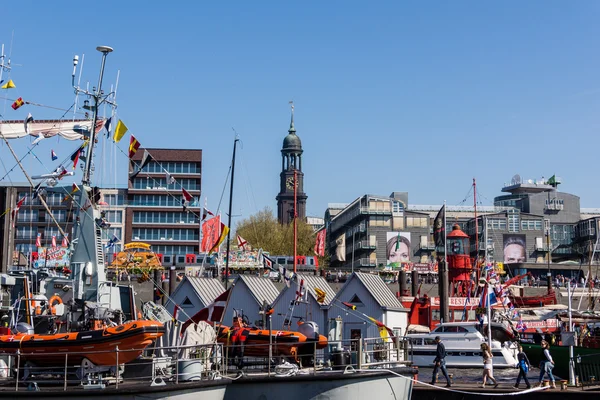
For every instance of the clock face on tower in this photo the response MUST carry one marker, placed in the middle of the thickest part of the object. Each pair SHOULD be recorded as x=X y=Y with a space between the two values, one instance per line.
x=289 y=183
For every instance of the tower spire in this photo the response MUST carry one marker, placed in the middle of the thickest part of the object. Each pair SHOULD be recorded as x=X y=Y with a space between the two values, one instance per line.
x=292 y=129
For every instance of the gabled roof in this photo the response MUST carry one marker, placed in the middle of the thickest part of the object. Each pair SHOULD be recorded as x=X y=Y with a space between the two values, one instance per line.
x=311 y=282
x=207 y=289
x=260 y=288
x=377 y=288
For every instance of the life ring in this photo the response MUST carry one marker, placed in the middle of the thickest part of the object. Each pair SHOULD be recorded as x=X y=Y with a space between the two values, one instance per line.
x=54 y=299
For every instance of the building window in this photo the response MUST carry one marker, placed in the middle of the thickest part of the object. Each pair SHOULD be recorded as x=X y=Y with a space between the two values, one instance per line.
x=513 y=220
x=114 y=199
x=165 y=234
x=397 y=207
x=114 y=216
x=25 y=215
x=160 y=217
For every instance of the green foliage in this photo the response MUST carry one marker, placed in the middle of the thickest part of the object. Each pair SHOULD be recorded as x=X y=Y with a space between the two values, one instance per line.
x=262 y=230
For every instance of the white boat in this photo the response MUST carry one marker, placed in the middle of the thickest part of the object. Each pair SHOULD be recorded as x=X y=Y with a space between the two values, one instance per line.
x=463 y=347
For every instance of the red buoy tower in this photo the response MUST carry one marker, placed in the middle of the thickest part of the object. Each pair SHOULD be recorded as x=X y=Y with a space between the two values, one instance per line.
x=460 y=263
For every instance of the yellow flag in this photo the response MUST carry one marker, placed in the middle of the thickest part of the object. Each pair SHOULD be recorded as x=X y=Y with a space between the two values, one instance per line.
x=320 y=295
x=9 y=85
x=120 y=131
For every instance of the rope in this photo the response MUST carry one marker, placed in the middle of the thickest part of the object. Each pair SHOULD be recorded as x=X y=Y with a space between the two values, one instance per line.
x=535 y=389
x=286 y=369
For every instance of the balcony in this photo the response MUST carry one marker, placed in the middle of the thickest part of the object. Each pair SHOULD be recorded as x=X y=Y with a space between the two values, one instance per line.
x=543 y=247
x=364 y=244
x=368 y=211
x=365 y=262
x=427 y=246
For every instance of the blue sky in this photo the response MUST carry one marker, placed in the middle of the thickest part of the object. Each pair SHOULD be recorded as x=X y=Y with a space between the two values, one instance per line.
x=391 y=96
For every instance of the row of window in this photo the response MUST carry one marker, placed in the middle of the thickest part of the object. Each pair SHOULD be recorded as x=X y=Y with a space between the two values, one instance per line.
x=114 y=199
x=157 y=217
x=174 y=249
x=30 y=232
x=161 y=183
x=29 y=215
x=165 y=234
x=531 y=225
x=154 y=200
x=114 y=216
x=172 y=167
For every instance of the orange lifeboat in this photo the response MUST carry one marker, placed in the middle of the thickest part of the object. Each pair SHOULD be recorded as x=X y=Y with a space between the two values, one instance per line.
x=254 y=342
x=98 y=346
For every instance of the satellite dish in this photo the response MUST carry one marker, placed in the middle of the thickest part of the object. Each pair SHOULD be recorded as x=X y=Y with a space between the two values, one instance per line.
x=516 y=179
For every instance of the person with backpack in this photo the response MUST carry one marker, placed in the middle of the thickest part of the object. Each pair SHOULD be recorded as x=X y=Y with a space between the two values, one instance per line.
x=524 y=366
x=440 y=362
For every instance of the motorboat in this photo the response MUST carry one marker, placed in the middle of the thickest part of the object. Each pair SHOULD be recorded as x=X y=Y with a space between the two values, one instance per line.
x=463 y=347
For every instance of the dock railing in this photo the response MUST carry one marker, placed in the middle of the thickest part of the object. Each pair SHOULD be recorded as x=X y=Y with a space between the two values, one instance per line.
x=587 y=369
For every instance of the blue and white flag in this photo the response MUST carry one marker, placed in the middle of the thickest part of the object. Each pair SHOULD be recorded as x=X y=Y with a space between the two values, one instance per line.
x=111 y=242
x=53 y=155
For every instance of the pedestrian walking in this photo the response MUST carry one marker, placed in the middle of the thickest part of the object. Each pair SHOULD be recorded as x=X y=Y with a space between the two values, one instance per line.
x=440 y=362
x=524 y=365
x=547 y=364
x=487 y=365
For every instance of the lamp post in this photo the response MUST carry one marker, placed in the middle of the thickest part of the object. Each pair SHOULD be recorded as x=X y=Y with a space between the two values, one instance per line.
x=548 y=274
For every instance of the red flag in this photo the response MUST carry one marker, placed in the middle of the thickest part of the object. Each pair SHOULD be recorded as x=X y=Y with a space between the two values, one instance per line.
x=18 y=103
x=213 y=313
x=320 y=243
x=16 y=210
x=205 y=211
x=134 y=145
x=75 y=157
x=186 y=199
x=38 y=240
x=241 y=242
x=53 y=241
x=211 y=232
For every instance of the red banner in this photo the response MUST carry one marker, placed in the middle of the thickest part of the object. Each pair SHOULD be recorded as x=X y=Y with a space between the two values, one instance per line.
x=211 y=231
x=320 y=243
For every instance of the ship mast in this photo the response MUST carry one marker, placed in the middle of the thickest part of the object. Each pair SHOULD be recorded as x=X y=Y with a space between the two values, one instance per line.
x=476 y=224
x=229 y=215
x=87 y=259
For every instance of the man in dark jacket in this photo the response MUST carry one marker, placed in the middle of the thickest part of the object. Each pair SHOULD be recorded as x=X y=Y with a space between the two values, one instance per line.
x=440 y=362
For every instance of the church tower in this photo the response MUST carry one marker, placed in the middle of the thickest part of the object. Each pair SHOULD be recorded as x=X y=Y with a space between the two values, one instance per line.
x=291 y=160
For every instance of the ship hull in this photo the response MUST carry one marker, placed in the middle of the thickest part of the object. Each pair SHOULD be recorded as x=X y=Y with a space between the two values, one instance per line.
x=560 y=355
x=333 y=385
x=205 y=390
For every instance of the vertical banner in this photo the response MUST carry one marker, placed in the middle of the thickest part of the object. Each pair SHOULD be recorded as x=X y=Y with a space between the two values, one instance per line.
x=398 y=248
x=515 y=249
x=320 y=243
x=211 y=231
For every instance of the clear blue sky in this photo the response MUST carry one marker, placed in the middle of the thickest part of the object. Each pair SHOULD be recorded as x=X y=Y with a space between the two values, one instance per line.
x=390 y=96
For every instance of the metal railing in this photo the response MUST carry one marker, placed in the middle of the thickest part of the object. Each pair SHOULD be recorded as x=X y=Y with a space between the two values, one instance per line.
x=30 y=368
x=587 y=369
x=175 y=364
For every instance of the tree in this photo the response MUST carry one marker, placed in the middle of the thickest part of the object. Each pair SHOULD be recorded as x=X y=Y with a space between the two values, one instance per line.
x=262 y=230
